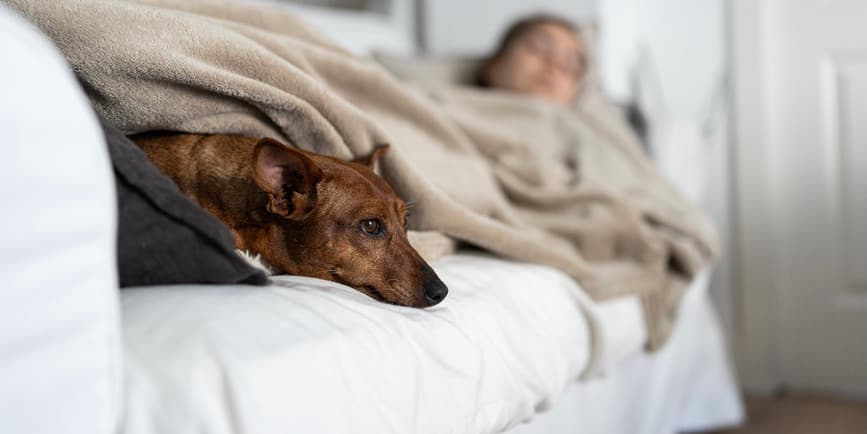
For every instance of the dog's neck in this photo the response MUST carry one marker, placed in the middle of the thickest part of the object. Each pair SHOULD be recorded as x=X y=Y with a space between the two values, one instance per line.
x=232 y=197
x=215 y=172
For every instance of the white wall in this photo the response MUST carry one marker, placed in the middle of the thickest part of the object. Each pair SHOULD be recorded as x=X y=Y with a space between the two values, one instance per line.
x=685 y=41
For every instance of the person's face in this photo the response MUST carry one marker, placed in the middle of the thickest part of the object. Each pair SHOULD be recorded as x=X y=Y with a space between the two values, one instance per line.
x=545 y=62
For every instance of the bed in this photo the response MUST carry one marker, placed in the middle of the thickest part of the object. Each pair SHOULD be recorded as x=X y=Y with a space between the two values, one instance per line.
x=516 y=347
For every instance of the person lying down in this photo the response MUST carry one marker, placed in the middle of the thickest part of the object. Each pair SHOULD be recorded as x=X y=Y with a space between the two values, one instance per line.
x=517 y=176
x=573 y=165
x=545 y=56
x=541 y=56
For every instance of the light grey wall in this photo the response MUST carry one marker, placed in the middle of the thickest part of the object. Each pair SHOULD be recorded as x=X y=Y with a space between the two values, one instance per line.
x=685 y=40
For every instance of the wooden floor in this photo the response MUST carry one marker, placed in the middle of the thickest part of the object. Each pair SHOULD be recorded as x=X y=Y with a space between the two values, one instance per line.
x=803 y=415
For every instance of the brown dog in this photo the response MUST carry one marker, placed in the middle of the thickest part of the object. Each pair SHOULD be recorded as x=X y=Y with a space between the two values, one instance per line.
x=306 y=214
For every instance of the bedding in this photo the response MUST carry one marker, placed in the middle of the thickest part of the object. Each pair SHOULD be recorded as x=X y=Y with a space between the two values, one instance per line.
x=310 y=356
x=687 y=387
x=610 y=221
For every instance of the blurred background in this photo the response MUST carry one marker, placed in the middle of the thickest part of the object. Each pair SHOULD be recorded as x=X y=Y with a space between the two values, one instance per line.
x=753 y=108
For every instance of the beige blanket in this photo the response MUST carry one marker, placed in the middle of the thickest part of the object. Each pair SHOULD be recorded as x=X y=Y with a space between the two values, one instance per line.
x=516 y=177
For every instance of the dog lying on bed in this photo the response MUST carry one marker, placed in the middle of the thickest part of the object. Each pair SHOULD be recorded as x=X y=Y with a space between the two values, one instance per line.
x=304 y=213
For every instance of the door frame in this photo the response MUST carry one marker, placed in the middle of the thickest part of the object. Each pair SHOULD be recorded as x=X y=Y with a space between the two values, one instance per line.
x=756 y=330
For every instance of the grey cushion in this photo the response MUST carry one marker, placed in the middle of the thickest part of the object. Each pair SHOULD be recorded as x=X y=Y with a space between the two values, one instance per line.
x=164 y=237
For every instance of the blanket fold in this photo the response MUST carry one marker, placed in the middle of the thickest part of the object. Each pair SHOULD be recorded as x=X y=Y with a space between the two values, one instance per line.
x=518 y=177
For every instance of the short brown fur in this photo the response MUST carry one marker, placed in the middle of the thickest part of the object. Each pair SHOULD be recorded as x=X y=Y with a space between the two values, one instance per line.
x=304 y=213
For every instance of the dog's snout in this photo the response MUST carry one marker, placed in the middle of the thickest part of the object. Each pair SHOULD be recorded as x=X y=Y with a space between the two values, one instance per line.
x=434 y=288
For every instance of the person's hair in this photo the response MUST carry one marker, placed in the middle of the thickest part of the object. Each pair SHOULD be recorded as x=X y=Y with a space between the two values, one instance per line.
x=516 y=31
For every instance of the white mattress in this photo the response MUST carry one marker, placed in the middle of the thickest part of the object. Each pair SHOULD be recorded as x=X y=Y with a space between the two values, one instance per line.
x=312 y=356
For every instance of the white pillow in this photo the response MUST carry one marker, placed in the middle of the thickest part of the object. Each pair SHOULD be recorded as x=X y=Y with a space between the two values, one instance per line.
x=59 y=331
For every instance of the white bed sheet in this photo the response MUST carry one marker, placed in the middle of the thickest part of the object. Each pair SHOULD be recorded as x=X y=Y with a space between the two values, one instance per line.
x=688 y=386
x=312 y=356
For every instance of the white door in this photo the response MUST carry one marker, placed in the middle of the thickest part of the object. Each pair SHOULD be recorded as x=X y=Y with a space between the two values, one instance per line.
x=810 y=57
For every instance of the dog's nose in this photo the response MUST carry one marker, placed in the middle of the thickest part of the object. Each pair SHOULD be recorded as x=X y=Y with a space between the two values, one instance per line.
x=434 y=288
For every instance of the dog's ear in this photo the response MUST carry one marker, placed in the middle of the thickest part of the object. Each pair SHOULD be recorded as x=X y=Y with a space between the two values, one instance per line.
x=375 y=155
x=288 y=176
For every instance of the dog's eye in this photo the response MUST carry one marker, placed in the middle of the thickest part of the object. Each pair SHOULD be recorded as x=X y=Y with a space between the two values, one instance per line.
x=371 y=227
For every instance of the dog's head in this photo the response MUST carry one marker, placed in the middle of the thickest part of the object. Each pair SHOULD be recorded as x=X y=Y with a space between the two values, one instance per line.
x=339 y=221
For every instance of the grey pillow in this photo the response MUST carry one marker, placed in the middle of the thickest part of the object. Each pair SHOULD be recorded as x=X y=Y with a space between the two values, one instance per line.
x=164 y=237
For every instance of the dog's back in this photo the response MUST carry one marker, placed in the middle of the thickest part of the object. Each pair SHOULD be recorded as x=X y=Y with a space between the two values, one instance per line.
x=205 y=168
